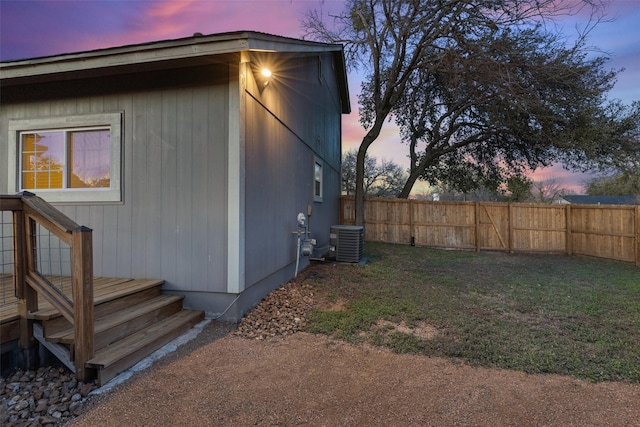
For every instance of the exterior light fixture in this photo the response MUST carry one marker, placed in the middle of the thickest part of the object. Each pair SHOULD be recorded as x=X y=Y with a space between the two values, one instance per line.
x=265 y=76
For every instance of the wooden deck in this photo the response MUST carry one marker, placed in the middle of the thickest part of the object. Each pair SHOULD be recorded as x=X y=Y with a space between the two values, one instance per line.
x=104 y=289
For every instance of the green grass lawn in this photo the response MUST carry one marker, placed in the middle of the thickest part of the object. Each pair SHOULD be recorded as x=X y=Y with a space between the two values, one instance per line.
x=536 y=313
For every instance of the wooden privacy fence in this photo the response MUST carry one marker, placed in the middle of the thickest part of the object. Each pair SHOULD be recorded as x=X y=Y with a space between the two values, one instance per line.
x=604 y=231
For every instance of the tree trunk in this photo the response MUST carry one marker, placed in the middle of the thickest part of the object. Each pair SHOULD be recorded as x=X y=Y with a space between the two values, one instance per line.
x=368 y=139
x=413 y=177
x=415 y=174
x=359 y=196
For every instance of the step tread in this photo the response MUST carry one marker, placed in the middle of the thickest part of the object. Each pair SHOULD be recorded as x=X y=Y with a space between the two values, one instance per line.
x=109 y=321
x=146 y=340
x=105 y=292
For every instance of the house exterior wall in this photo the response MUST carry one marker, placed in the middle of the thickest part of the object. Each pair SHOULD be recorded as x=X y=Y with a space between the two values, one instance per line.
x=292 y=122
x=215 y=169
x=173 y=219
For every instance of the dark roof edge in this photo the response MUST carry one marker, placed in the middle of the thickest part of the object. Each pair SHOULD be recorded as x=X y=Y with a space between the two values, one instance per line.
x=195 y=46
x=196 y=38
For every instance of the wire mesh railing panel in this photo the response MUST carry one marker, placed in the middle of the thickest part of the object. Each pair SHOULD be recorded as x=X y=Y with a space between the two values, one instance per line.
x=6 y=256
x=53 y=261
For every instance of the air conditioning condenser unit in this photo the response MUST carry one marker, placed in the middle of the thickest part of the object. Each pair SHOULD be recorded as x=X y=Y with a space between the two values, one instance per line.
x=348 y=241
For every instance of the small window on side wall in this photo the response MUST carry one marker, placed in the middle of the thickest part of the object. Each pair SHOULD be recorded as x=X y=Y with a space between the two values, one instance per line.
x=67 y=159
x=317 y=180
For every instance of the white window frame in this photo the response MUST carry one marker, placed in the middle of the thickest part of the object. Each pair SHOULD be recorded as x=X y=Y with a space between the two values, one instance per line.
x=318 y=179
x=113 y=121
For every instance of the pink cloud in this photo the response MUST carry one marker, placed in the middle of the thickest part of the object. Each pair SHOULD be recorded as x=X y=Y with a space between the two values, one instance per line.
x=171 y=9
x=181 y=19
x=31 y=28
x=574 y=181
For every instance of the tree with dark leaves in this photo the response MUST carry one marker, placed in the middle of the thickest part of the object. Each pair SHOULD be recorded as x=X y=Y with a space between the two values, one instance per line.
x=502 y=51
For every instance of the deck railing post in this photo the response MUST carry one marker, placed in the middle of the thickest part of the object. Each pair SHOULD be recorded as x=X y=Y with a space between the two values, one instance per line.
x=19 y=254
x=26 y=295
x=82 y=277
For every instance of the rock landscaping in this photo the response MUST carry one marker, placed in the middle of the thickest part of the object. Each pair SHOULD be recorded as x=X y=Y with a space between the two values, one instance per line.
x=283 y=312
x=46 y=397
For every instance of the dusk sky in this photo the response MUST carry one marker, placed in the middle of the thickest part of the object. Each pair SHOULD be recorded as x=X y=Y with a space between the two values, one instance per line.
x=31 y=29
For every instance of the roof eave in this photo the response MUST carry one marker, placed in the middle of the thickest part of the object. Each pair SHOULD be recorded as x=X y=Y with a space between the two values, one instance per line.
x=189 y=48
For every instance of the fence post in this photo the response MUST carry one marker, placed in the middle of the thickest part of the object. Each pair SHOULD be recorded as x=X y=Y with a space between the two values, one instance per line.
x=569 y=226
x=412 y=231
x=82 y=277
x=511 y=230
x=477 y=213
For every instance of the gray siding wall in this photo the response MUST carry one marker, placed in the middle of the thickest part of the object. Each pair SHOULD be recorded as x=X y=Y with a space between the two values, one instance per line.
x=295 y=118
x=172 y=224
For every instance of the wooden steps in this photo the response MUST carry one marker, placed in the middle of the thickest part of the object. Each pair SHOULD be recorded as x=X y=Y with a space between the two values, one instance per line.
x=119 y=324
x=117 y=357
x=53 y=325
x=132 y=320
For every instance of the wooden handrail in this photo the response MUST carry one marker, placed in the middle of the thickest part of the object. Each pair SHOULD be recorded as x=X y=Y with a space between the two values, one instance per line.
x=56 y=220
x=29 y=210
x=10 y=202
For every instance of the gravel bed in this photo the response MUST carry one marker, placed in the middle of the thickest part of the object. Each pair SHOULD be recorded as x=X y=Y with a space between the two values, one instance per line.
x=281 y=313
x=47 y=397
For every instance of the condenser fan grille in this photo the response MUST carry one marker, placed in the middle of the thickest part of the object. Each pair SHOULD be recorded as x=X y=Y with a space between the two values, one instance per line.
x=349 y=242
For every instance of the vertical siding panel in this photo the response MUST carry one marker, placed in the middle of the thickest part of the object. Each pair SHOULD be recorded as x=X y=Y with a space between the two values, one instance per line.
x=109 y=227
x=169 y=206
x=215 y=180
x=124 y=231
x=95 y=213
x=254 y=187
x=277 y=166
x=43 y=109
x=139 y=196
x=68 y=210
x=199 y=244
x=184 y=182
x=153 y=213
x=96 y=223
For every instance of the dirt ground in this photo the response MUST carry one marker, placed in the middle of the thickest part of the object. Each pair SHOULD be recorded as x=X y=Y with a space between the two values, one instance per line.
x=220 y=379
